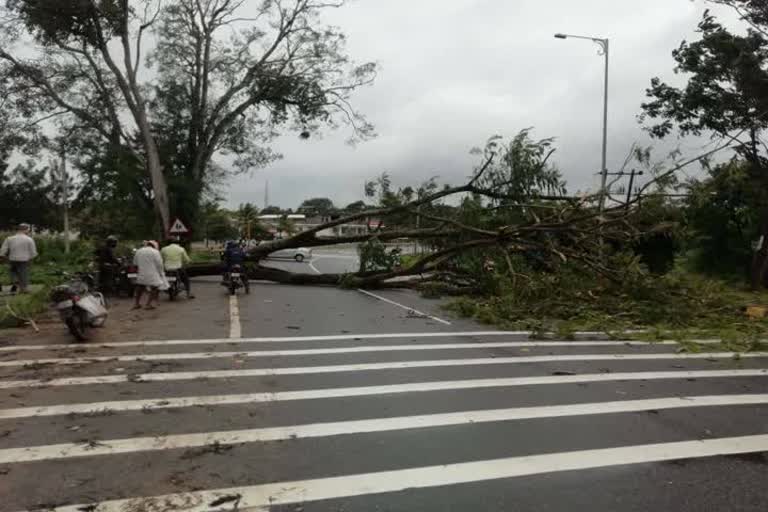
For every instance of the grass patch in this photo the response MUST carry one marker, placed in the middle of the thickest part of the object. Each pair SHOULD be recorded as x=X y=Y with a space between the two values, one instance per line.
x=205 y=256
x=16 y=310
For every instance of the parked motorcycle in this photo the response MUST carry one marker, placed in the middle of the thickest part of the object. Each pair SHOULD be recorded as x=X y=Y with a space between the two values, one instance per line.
x=79 y=306
x=236 y=279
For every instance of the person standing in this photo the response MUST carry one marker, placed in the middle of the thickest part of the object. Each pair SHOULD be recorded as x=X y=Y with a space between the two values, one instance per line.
x=151 y=274
x=175 y=258
x=108 y=265
x=20 y=250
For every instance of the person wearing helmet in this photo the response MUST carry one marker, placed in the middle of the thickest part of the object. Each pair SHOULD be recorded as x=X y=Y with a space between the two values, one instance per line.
x=108 y=264
x=233 y=255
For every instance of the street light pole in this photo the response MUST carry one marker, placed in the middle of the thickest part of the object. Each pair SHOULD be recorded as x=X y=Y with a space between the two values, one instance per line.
x=604 y=45
x=604 y=194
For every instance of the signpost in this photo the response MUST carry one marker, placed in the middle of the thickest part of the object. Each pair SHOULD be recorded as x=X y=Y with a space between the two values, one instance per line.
x=178 y=229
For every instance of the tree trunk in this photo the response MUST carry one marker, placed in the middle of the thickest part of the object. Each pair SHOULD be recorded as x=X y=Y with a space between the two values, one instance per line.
x=159 y=186
x=267 y=274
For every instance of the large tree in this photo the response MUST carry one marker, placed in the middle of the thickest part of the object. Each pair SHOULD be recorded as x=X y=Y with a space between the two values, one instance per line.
x=27 y=194
x=321 y=206
x=725 y=96
x=223 y=79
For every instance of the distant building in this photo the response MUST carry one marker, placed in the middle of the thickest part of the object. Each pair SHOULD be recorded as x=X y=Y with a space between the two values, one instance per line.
x=304 y=223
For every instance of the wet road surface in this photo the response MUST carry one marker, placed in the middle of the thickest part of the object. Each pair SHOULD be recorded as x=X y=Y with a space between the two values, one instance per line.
x=333 y=400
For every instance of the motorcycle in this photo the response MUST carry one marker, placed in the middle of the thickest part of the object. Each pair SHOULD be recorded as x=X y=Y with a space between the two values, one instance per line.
x=117 y=279
x=126 y=278
x=174 y=285
x=236 y=279
x=79 y=306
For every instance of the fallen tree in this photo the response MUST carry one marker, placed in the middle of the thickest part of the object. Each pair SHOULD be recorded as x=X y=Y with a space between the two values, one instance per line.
x=514 y=204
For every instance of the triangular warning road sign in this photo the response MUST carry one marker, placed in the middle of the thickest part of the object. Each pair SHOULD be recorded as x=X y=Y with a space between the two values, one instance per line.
x=178 y=228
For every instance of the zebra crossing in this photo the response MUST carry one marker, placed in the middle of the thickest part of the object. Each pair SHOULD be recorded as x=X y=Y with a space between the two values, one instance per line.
x=483 y=421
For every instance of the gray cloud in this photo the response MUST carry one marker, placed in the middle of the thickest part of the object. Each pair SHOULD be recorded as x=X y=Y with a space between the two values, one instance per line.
x=454 y=72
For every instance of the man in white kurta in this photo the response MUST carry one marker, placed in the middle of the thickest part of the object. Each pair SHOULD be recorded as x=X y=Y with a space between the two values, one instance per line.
x=151 y=274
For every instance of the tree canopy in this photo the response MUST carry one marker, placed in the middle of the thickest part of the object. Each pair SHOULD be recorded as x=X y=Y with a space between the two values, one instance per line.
x=725 y=95
x=223 y=79
x=27 y=195
x=321 y=206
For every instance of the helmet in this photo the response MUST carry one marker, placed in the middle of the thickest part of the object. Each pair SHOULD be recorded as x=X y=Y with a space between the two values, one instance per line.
x=112 y=241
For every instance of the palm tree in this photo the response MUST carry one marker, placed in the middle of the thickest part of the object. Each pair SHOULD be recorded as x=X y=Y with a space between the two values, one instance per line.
x=247 y=219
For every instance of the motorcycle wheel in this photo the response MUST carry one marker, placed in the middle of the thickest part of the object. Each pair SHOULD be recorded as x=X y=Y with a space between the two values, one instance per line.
x=173 y=293
x=247 y=288
x=232 y=287
x=78 y=325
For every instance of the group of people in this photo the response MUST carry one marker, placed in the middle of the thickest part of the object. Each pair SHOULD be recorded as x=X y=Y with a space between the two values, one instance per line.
x=152 y=265
x=152 y=262
x=19 y=250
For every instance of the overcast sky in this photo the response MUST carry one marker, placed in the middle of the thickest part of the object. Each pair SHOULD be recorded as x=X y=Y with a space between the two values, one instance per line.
x=454 y=72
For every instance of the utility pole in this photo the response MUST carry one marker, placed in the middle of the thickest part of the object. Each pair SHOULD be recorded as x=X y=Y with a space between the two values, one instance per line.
x=266 y=195
x=632 y=176
x=65 y=194
x=631 y=185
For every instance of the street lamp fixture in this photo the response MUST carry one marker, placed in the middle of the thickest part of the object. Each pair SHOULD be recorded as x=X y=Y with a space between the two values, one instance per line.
x=604 y=45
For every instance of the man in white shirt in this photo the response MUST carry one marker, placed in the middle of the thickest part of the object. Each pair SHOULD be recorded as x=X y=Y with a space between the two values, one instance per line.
x=151 y=275
x=19 y=250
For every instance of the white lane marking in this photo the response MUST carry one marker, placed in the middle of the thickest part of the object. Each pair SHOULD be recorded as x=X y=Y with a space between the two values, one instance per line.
x=375 y=349
x=392 y=389
x=341 y=350
x=341 y=337
x=262 y=498
x=314 y=370
x=407 y=308
x=235 y=330
x=313 y=267
x=174 y=442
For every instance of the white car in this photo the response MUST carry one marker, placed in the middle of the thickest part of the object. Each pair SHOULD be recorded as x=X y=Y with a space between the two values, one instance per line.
x=298 y=255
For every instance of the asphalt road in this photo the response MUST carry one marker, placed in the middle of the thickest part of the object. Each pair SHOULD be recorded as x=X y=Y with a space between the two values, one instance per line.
x=325 y=400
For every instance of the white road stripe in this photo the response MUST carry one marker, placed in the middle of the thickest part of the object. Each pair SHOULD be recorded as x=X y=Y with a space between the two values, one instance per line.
x=407 y=308
x=375 y=349
x=184 y=441
x=235 y=331
x=314 y=269
x=392 y=389
x=271 y=353
x=314 y=370
x=342 y=337
x=262 y=498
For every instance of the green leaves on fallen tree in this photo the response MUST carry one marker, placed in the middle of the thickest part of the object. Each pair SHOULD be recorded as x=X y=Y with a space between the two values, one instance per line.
x=522 y=171
x=678 y=304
